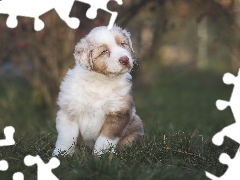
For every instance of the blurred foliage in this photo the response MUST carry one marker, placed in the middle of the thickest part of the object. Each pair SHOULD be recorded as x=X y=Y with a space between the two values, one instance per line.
x=200 y=34
x=44 y=57
x=191 y=34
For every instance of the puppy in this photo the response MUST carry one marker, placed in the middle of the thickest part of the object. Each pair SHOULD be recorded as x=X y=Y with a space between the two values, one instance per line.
x=95 y=100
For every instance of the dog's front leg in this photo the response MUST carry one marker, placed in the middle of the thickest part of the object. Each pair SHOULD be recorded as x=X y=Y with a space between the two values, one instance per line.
x=68 y=132
x=111 y=132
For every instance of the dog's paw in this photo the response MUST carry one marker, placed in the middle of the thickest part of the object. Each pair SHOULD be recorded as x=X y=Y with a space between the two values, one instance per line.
x=59 y=152
x=104 y=144
x=98 y=152
x=110 y=151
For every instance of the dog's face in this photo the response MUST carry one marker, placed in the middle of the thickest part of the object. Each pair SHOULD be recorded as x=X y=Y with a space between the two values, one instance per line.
x=105 y=51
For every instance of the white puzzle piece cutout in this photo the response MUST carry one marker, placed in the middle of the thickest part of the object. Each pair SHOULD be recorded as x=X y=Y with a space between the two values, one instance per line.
x=232 y=172
x=3 y=165
x=101 y=4
x=36 y=8
x=18 y=176
x=8 y=141
x=232 y=131
x=44 y=170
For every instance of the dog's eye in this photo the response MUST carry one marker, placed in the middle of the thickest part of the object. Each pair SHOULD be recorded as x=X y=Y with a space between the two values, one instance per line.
x=105 y=52
x=123 y=44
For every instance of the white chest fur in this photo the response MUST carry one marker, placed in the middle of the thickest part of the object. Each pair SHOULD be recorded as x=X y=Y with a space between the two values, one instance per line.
x=89 y=96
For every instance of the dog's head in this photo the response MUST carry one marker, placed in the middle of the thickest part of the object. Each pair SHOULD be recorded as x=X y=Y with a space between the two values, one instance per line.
x=105 y=51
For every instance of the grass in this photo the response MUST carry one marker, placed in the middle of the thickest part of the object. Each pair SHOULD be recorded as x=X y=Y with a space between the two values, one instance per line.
x=179 y=116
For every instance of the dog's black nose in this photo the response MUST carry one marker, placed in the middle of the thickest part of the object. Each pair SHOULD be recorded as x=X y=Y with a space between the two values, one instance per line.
x=124 y=60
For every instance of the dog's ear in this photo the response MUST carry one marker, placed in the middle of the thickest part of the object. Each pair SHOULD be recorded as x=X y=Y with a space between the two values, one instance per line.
x=82 y=54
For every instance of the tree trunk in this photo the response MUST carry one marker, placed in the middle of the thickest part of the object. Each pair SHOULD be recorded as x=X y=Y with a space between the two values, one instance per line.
x=235 y=46
x=202 y=35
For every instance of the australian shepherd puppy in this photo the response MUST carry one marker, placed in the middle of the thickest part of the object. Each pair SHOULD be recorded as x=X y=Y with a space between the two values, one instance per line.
x=95 y=100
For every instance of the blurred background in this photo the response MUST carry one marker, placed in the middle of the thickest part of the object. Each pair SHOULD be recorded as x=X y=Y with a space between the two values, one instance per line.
x=182 y=47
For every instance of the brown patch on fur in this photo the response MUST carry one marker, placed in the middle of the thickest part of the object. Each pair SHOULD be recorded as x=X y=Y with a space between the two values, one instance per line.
x=116 y=122
x=96 y=52
x=120 y=38
x=134 y=133
x=99 y=59
x=99 y=65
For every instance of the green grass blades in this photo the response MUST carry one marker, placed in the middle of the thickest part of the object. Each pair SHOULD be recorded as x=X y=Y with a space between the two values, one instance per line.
x=179 y=116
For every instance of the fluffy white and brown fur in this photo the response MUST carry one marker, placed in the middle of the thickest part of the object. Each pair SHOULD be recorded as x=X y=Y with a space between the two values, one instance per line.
x=95 y=100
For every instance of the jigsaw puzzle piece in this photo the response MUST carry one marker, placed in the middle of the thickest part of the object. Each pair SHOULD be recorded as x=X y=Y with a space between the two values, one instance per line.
x=221 y=104
x=63 y=9
x=3 y=165
x=5 y=9
x=31 y=9
x=228 y=78
x=235 y=98
x=224 y=158
x=38 y=24
x=231 y=131
x=101 y=4
x=36 y=8
x=12 y=21
x=211 y=176
x=18 y=176
x=44 y=170
x=233 y=167
x=8 y=141
x=233 y=172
